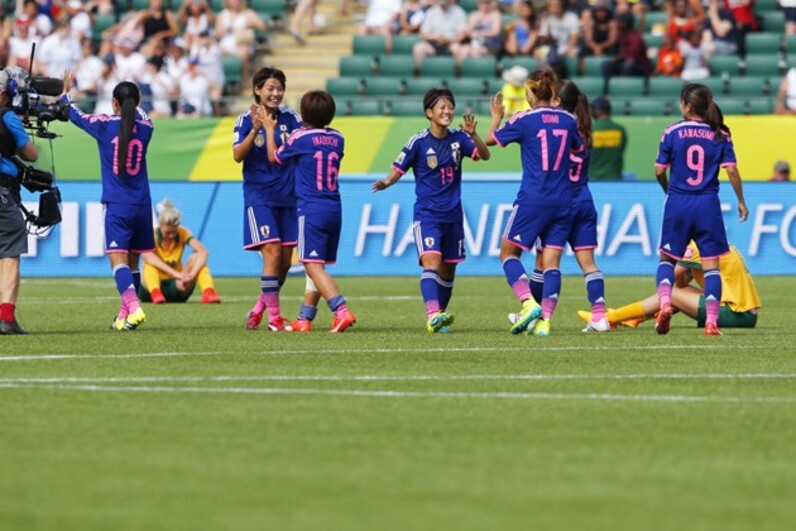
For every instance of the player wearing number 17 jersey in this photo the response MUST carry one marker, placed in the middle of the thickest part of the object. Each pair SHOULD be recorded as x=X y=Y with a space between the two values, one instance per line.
x=123 y=139
x=315 y=150
x=695 y=149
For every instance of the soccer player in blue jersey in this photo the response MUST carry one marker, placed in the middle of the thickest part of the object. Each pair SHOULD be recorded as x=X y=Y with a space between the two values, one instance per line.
x=435 y=156
x=695 y=149
x=315 y=151
x=547 y=137
x=123 y=139
x=270 y=225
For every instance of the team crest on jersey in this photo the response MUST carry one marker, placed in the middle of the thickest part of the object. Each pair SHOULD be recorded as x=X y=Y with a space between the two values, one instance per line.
x=429 y=242
x=456 y=153
x=265 y=230
x=431 y=158
x=283 y=134
x=259 y=140
x=401 y=158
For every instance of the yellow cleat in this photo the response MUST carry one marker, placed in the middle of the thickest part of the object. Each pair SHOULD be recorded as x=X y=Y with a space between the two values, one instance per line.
x=135 y=319
x=584 y=316
x=541 y=329
x=439 y=321
x=531 y=311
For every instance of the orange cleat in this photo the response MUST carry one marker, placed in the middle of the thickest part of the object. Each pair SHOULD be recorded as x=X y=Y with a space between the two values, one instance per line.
x=157 y=296
x=209 y=296
x=664 y=320
x=341 y=323
x=713 y=330
x=301 y=325
x=253 y=320
x=279 y=324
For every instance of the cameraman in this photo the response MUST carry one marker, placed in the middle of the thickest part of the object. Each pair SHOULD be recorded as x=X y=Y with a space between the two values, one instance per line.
x=13 y=233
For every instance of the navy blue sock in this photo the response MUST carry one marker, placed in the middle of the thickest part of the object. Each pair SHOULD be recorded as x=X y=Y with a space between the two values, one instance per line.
x=336 y=302
x=537 y=285
x=429 y=289
x=137 y=279
x=123 y=277
x=307 y=312
x=595 y=287
x=445 y=288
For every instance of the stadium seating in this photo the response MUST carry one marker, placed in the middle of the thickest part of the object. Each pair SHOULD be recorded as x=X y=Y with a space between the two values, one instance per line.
x=790 y=46
x=417 y=86
x=663 y=85
x=232 y=72
x=480 y=67
x=402 y=44
x=651 y=106
x=717 y=84
x=396 y=65
x=774 y=21
x=527 y=62
x=761 y=106
x=592 y=66
x=762 y=65
x=369 y=45
x=466 y=87
x=731 y=105
x=749 y=86
x=360 y=107
x=406 y=107
x=763 y=43
x=627 y=86
x=654 y=18
x=592 y=86
x=344 y=86
x=437 y=65
x=724 y=64
x=383 y=86
x=356 y=66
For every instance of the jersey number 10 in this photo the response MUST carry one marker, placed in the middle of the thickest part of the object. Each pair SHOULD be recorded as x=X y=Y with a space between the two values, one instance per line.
x=135 y=154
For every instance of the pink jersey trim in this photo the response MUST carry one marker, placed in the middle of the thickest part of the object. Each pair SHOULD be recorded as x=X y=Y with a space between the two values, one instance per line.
x=260 y=244
x=515 y=244
x=714 y=257
x=399 y=170
x=430 y=252
x=289 y=244
x=454 y=261
x=670 y=255
x=316 y=262
x=276 y=156
x=658 y=165
x=474 y=155
x=729 y=164
x=495 y=138
x=585 y=247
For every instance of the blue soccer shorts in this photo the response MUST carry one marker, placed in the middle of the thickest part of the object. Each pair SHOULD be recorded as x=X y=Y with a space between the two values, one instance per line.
x=695 y=217
x=128 y=228
x=446 y=239
x=319 y=236
x=527 y=223
x=267 y=224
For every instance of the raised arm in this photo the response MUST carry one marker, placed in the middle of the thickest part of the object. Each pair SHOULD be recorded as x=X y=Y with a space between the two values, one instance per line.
x=497 y=111
x=469 y=127
x=393 y=177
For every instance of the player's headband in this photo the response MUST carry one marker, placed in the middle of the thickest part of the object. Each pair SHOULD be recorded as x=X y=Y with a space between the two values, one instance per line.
x=435 y=100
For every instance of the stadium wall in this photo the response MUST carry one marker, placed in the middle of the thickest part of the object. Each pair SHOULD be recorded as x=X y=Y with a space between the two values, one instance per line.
x=377 y=237
x=200 y=149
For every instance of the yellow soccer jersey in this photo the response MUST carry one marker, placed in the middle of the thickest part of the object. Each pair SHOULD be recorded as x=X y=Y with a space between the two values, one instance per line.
x=514 y=99
x=738 y=290
x=172 y=255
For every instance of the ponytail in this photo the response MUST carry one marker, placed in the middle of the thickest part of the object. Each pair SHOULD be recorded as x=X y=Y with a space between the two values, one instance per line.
x=574 y=101
x=541 y=86
x=128 y=97
x=715 y=119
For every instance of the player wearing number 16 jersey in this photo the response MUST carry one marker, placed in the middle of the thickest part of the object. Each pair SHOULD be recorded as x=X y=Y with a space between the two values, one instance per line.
x=547 y=137
x=123 y=139
x=315 y=150
x=695 y=149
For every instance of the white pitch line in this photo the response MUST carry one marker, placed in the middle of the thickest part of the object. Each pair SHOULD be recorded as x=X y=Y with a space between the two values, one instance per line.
x=406 y=394
x=526 y=348
x=398 y=378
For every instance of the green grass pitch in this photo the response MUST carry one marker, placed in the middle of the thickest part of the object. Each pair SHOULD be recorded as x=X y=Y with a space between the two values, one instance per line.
x=193 y=422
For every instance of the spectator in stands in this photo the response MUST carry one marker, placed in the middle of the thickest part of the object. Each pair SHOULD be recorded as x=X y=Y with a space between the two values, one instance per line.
x=522 y=35
x=106 y=85
x=196 y=16
x=160 y=87
x=601 y=34
x=159 y=25
x=781 y=172
x=637 y=8
x=413 y=12
x=305 y=9
x=235 y=27
x=194 y=92
x=513 y=91
x=19 y=44
x=79 y=20
x=670 y=58
x=129 y=63
x=59 y=51
x=789 y=8
x=632 y=60
x=745 y=18
x=694 y=64
x=88 y=74
x=721 y=35
x=129 y=28
x=484 y=33
x=206 y=49
x=609 y=143
x=786 y=95
x=382 y=19
x=100 y=7
x=559 y=30
x=682 y=20
x=6 y=30
x=445 y=24
x=41 y=25
x=176 y=61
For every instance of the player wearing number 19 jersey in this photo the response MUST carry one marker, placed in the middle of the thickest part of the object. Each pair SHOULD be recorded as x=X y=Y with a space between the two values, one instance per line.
x=695 y=149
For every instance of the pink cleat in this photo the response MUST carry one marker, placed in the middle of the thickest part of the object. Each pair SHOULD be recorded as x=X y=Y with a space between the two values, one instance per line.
x=253 y=320
x=664 y=320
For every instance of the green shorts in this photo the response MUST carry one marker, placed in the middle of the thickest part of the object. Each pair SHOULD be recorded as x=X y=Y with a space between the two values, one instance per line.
x=170 y=291
x=727 y=317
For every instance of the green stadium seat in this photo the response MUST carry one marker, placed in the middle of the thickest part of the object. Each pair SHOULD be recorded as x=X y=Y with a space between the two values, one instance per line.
x=593 y=66
x=406 y=107
x=417 y=86
x=773 y=21
x=748 y=86
x=731 y=106
x=369 y=45
x=479 y=67
x=627 y=86
x=650 y=106
x=363 y=107
x=766 y=42
x=724 y=64
x=664 y=85
x=342 y=106
x=592 y=86
x=139 y=5
x=101 y=23
x=217 y=5
x=356 y=66
x=344 y=86
x=762 y=65
x=790 y=46
x=466 y=86
x=438 y=65
x=717 y=84
x=529 y=63
x=654 y=18
x=572 y=66
x=763 y=6
x=272 y=8
x=403 y=44
x=468 y=5
x=653 y=40
x=495 y=85
x=396 y=65
x=761 y=106
x=233 y=72
x=620 y=105
x=383 y=86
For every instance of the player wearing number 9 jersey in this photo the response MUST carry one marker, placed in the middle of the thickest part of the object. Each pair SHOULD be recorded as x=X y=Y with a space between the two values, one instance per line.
x=695 y=149
x=315 y=150
x=547 y=137
x=123 y=139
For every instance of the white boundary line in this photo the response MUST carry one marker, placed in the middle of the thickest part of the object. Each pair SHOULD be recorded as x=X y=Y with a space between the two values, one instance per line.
x=409 y=394
x=528 y=348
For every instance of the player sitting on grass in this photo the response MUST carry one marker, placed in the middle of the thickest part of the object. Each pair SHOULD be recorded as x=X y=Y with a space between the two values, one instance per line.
x=739 y=299
x=165 y=278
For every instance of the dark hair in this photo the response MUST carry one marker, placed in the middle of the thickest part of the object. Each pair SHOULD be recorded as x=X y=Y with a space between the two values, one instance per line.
x=700 y=98
x=528 y=3
x=434 y=95
x=128 y=96
x=263 y=75
x=573 y=100
x=317 y=108
x=542 y=84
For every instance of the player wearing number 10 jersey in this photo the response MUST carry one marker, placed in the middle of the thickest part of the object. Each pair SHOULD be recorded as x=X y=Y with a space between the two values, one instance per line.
x=315 y=150
x=123 y=139
x=695 y=149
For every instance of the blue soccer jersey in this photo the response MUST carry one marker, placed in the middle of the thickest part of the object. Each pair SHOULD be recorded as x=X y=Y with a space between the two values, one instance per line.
x=132 y=186
x=316 y=156
x=579 y=176
x=265 y=183
x=437 y=165
x=547 y=136
x=695 y=154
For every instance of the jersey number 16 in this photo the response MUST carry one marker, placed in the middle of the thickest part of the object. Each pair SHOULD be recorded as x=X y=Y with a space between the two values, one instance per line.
x=330 y=173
